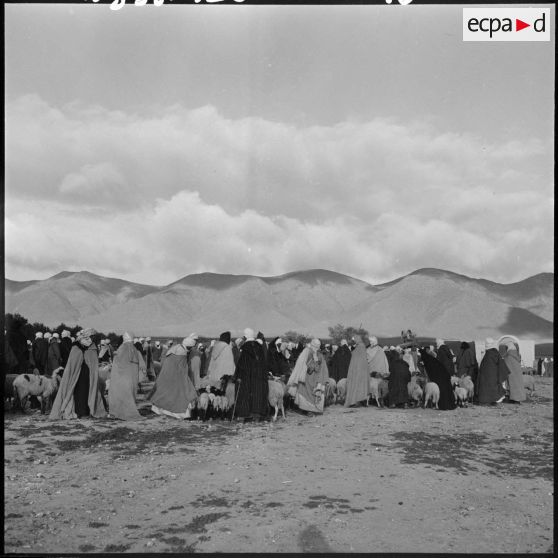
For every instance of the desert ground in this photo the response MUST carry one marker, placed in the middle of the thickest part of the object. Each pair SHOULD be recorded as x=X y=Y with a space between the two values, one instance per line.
x=478 y=479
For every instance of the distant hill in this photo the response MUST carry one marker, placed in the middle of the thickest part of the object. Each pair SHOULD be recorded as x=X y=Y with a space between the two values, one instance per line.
x=432 y=302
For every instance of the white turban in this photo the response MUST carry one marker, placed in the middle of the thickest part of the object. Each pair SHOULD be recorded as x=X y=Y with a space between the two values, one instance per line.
x=189 y=342
x=56 y=336
x=65 y=333
x=373 y=341
x=48 y=335
x=127 y=337
x=39 y=335
x=489 y=343
x=439 y=343
x=343 y=342
x=315 y=344
x=511 y=346
x=249 y=333
x=193 y=336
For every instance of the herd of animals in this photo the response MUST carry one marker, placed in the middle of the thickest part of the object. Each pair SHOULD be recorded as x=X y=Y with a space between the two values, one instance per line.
x=219 y=402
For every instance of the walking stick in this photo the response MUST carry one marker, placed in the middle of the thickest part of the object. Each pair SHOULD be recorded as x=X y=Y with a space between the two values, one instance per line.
x=235 y=399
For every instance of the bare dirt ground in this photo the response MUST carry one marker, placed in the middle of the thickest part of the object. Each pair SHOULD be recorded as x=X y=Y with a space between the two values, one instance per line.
x=365 y=480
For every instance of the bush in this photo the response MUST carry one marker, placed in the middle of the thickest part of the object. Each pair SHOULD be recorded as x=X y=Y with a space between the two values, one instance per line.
x=339 y=332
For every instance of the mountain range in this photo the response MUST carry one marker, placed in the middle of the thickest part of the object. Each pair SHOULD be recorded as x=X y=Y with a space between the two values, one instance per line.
x=431 y=302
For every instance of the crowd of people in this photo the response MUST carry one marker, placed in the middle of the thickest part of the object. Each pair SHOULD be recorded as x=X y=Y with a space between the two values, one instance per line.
x=180 y=372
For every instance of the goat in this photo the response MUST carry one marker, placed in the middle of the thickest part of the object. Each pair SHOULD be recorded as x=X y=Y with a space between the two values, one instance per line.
x=42 y=387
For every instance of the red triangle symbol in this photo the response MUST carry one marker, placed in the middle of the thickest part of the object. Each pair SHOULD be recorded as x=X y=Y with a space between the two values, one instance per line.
x=519 y=25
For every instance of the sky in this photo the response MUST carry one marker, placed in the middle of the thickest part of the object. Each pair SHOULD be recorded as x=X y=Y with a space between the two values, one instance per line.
x=151 y=143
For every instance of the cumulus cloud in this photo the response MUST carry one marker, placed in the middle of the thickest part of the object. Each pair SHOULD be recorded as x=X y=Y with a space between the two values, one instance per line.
x=153 y=196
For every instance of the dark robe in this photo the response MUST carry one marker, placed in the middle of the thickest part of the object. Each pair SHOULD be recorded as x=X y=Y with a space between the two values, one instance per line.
x=467 y=362
x=437 y=373
x=253 y=387
x=208 y=353
x=399 y=377
x=261 y=337
x=539 y=367
x=340 y=363
x=446 y=358
x=236 y=353
x=10 y=360
x=40 y=354
x=276 y=361
x=157 y=353
x=18 y=344
x=54 y=357
x=65 y=348
x=493 y=372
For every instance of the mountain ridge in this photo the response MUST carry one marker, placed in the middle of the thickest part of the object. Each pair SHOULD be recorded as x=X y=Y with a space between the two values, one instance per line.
x=429 y=300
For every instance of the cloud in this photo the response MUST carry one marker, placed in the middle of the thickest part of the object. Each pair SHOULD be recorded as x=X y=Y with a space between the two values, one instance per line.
x=155 y=195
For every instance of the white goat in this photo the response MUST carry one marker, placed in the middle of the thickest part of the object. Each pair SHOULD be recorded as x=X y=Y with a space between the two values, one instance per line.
x=42 y=387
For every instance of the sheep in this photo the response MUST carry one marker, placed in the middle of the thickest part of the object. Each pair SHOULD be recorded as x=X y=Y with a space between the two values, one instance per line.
x=341 y=390
x=43 y=387
x=467 y=383
x=203 y=405
x=415 y=393
x=383 y=390
x=373 y=390
x=529 y=384
x=221 y=405
x=461 y=396
x=277 y=390
x=330 y=393
x=431 y=392
x=454 y=381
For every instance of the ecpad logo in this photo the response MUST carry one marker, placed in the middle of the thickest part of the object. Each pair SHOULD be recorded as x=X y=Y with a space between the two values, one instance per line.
x=506 y=24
